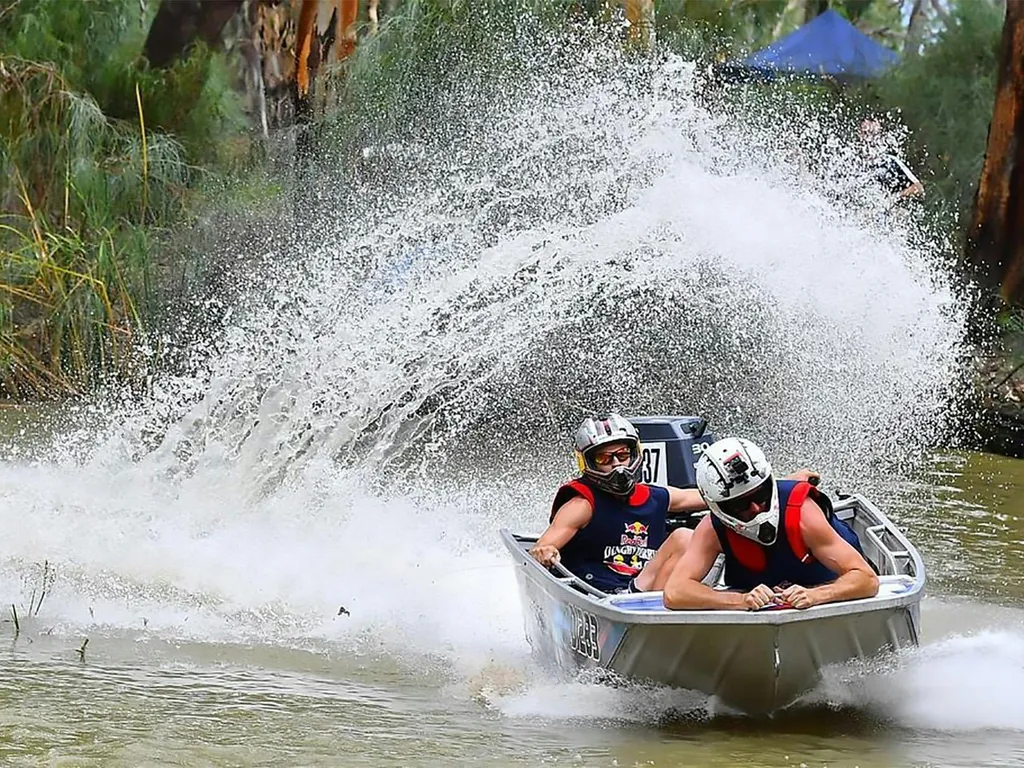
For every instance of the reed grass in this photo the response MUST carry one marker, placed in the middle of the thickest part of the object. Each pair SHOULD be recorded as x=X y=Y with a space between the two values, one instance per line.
x=68 y=307
x=49 y=576
x=98 y=156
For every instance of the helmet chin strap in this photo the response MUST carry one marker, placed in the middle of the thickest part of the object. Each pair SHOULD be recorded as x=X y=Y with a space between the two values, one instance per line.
x=767 y=533
x=764 y=532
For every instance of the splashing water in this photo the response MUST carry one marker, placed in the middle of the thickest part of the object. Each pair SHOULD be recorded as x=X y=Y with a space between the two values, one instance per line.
x=378 y=402
x=962 y=683
x=967 y=681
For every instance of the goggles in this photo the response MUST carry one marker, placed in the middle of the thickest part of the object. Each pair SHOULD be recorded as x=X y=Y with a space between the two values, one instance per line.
x=748 y=506
x=606 y=459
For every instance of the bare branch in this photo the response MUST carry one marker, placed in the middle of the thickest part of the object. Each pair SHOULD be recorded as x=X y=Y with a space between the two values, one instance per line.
x=942 y=12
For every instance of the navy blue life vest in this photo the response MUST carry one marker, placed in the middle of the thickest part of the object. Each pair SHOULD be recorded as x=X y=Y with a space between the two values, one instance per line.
x=748 y=563
x=621 y=537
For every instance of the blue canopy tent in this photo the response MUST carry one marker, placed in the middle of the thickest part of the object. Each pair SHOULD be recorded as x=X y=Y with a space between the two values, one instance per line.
x=827 y=46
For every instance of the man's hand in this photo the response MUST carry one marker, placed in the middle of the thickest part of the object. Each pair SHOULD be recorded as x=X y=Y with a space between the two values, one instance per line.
x=804 y=475
x=545 y=554
x=759 y=597
x=796 y=596
x=914 y=190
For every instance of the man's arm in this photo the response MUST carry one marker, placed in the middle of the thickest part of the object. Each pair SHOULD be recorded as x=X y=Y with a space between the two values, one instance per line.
x=856 y=578
x=914 y=186
x=684 y=588
x=914 y=190
x=570 y=518
x=685 y=500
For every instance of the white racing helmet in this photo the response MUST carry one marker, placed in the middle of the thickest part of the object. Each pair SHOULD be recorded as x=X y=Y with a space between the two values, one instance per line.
x=731 y=474
x=598 y=431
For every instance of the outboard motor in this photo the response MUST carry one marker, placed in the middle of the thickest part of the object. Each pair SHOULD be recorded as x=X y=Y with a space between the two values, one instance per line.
x=670 y=447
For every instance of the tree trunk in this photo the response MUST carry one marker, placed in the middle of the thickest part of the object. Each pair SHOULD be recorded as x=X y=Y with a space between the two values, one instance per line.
x=371 y=15
x=813 y=9
x=640 y=15
x=312 y=48
x=307 y=46
x=347 y=28
x=995 y=241
x=915 y=28
x=789 y=12
x=179 y=23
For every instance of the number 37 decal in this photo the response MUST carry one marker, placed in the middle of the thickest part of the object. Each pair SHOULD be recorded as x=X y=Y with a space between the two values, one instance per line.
x=652 y=467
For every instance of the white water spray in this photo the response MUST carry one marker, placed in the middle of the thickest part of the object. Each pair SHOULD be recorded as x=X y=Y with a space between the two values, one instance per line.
x=379 y=403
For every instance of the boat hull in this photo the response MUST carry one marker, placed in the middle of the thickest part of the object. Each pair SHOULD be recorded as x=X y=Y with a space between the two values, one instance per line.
x=755 y=662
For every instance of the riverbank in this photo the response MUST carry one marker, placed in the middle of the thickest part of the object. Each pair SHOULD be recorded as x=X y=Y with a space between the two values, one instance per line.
x=998 y=399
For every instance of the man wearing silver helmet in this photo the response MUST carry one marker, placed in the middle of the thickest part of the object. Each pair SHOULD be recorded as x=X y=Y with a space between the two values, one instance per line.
x=782 y=544
x=607 y=527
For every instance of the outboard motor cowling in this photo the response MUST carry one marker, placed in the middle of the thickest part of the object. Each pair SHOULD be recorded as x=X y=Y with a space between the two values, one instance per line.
x=670 y=448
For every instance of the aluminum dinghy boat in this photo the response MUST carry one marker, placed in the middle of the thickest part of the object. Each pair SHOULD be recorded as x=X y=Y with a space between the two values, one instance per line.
x=755 y=662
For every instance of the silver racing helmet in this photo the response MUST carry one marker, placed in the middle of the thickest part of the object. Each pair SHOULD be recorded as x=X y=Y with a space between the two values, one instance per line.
x=615 y=472
x=732 y=475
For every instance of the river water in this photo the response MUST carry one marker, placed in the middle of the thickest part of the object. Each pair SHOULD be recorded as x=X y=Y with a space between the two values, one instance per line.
x=442 y=675
x=286 y=552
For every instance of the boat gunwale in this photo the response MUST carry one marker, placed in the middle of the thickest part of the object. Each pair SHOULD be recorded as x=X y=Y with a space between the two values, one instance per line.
x=607 y=608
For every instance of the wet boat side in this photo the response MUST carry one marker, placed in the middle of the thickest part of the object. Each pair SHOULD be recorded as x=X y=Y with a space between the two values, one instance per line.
x=759 y=661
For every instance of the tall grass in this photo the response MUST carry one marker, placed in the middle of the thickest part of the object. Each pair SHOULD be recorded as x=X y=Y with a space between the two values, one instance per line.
x=97 y=154
x=68 y=308
x=74 y=265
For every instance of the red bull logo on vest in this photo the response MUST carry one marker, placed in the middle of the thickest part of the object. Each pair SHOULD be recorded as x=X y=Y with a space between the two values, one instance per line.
x=635 y=535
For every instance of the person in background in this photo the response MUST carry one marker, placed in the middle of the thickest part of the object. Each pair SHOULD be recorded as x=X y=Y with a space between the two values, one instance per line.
x=887 y=169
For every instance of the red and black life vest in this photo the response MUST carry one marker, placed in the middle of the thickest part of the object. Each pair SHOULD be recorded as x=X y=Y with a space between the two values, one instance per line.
x=787 y=560
x=621 y=537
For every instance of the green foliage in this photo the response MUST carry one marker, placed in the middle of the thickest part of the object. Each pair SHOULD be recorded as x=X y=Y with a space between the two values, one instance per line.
x=95 y=46
x=715 y=30
x=60 y=149
x=1011 y=320
x=945 y=96
x=96 y=150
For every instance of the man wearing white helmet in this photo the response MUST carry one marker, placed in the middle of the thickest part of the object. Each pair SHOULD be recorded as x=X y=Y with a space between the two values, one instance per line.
x=607 y=527
x=782 y=544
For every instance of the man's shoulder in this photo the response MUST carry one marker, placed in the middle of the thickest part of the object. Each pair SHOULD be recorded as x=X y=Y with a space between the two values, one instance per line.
x=570 y=491
x=659 y=492
x=575 y=488
x=813 y=514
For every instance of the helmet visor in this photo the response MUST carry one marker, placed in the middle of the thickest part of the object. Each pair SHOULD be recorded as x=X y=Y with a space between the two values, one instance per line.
x=606 y=458
x=748 y=506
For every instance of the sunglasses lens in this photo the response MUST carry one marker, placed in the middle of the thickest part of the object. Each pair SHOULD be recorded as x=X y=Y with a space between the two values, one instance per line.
x=622 y=456
x=745 y=508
